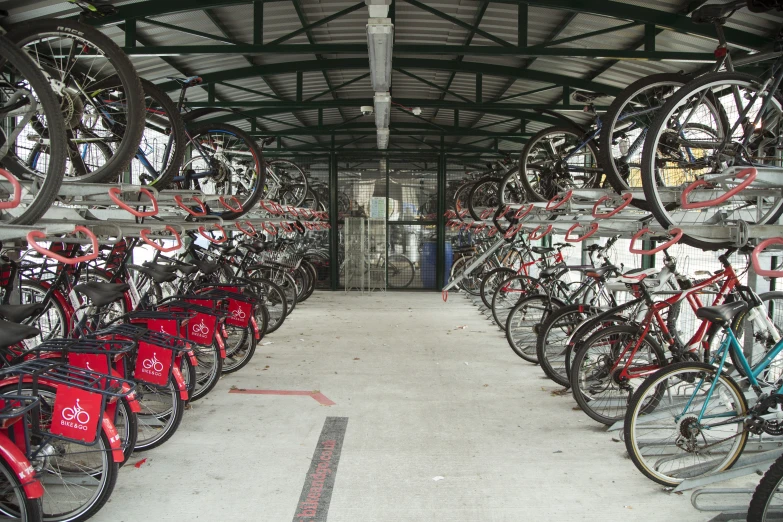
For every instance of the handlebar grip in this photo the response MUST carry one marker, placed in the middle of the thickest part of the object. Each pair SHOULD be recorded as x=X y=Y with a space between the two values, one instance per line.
x=144 y=236
x=114 y=194
x=35 y=235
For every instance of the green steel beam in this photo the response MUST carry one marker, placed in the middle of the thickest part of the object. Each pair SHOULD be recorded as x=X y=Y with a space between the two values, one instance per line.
x=192 y=32
x=487 y=69
x=319 y=23
x=456 y=21
x=338 y=87
x=435 y=49
x=582 y=36
x=408 y=102
x=614 y=9
x=429 y=83
x=526 y=93
x=251 y=91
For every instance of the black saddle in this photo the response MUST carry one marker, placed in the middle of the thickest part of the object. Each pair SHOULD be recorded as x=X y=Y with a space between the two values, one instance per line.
x=157 y=275
x=102 y=294
x=160 y=266
x=18 y=313
x=206 y=267
x=600 y=271
x=542 y=250
x=722 y=314
x=12 y=333
x=548 y=272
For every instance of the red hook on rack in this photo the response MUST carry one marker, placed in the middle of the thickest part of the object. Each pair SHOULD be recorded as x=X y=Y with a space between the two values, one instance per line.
x=558 y=201
x=202 y=231
x=749 y=174
x=627 y=198
x=676 y=234
x=36 y=235
x=114 y=194
x=757 y=252
x=272 y=231
x=592 y=229
x=180 y=204
x=234 y=199
x=251 y=229
x=177 y=245
x=17 y=197
x=534 y=237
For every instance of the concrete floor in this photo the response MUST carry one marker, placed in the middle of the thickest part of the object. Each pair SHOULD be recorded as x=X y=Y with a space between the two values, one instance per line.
x=424 y=398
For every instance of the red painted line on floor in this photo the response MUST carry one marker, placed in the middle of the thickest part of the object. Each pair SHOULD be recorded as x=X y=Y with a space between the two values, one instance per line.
x=318 y=396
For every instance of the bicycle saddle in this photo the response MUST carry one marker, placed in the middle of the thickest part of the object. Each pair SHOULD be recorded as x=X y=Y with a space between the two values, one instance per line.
x=712 y=13
x=12 y=333
x=599 y=271
x=157 y=275
x=722 y=314
x=637 y=275
x=206 y=267
x=587 y=97
x=159 y=266
x=542 y=250
x=547 y=272
x=102 y=294
x=187 y=269
x=18 y=313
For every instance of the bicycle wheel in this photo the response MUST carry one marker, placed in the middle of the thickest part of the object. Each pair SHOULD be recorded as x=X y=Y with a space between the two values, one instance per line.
x=163 y=143
x=77 y=479
x=667 y=442
x=29 y=110
x=99 y=92
x=208 y=369
x=766 y=505
x=551 y=347
x=702 y=129
x=512 y=190
x=14 y=504
x=484 y=194
x=509 y=293
x=160 y=415
x=760 y=338
x=624 y=128
x=53 y=320
x=275 y=302
x=491 y=281
x=596 y=383
x=523 y=323
x=286 y=182
x=556 y=160
x=224 y=161
x=401 y=271
x=240 y=347
x=460 y=201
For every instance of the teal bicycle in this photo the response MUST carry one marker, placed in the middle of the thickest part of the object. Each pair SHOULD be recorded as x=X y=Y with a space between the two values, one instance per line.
x=692 y=419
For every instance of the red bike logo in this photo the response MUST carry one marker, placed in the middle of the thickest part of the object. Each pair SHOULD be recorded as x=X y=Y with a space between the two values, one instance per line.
x=200 y=329
x=153 y=364
x=238 y=314
x=76 y=413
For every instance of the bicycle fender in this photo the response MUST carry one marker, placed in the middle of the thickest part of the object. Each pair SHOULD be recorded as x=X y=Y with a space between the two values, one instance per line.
x=18 y=462
x=181 y=384
x=221 y=345
x=114 y=438
x=256 y=333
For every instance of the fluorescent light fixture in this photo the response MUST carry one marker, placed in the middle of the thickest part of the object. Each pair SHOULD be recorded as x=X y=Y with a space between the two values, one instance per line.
x=383 y=139
x=382 y=110
x=380 y=34
x=378 y=8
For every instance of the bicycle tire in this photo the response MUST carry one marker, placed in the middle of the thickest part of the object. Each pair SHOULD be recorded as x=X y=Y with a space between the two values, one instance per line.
x=208 y=370
x=26 y=33
x=30 y=509
x=475 y=193
x=12 y=57
x=172 y=418
x=175 y=126
x=584 y=395
x=238 y=357
x=522 y=337
x=702 y=371
x=249 y=199
x=492 y=281
x=770 y=483
x=650 y=162
x=503 y=302
x=606 y=160
x=549 y=347
x=552 y=187
x=402 y=265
